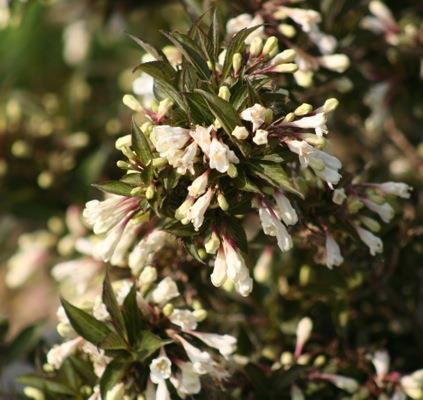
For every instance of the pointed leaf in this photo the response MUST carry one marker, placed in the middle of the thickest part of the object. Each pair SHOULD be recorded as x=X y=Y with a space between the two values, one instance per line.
x=115 y=187
x=112 y=306
x=140 y=144
x=112 y=375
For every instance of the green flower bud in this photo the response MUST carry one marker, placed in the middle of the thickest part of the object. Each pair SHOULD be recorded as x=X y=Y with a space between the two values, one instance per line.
x=154 y=105
x=200 y=315
x=269 y=353
x=303 y=359
x=314 y=140
x=168 y=309
x=354 y=205
x=268 y=190
x=232 y=171
x=132 y=103
x=303 y=109
x=137 y=191
x=202 y=253
x=270 y=46
x=48 y=367
x=319 y=360
x=224 y=93
x=159 y=162
x=317 y=164
x=289 y=117
x=256 y=46
x=286 y=56
x=223 y=203
x=164 y=106
x=127 y=152
x=123 y=141
x=150 y=192
x=330 y=105
x=236 y=62
x=212 y=244
x=123 y=164
x=287 y=359
x=305 y=274
x=33 y=393
x=268 y=116
x=370 y=223
x=373 y=196
x=287 y=30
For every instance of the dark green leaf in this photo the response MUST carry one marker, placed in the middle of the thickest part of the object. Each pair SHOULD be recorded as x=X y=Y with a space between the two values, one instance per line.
x=85 y=324
x=149 y=344
x=112 y=375
x=132 y=317
x=109 y=300
x=140 y=145
x=156 y=53
x=115 y=187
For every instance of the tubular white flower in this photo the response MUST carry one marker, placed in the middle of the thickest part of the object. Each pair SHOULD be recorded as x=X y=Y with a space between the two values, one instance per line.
x=160 y=369
x=350 y=385
x=373 y=242
x=148 y=276
x=165 y=291
x=168 y=139
x=260 y=137
x=304 y=328
x=59 y=353
x=105 y=248
x=262 y=269
x=285 y=210
x=196 y=212
x=221 y=156
x=202 y=136
x=333 y=252
x=184 y=319
x=400 y=189
x=119 y=255
x=273 y=227
x=316 y=122
x=243 y=21
x=255 y=114
x=187 y=381
x=385 y=211
x=199 y=185
x=218 y=276
x=201 y=360
x=225 y=344
x=380 y=360
x=185 y=161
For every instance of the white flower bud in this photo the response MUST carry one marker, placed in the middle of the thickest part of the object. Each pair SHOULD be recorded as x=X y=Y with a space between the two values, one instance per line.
x=33 y=393
x=212 y=244
x=339 y=196
x=224 y=93
x=335 y=62
x=304 y=329
x=303 y=109
x=287 y=30
x=199 y=185
x=397 y=188
x=240 y=132
x=285 y=68
x=223 y=203
x=286 y=56
x=164 y=106
x=260 y=137
x=330 y=105
x=132 y=103
x=123 y=141
x=148 y=276
x=236 y=62
x=165 y=291
x=270 y=46
x=256 y=46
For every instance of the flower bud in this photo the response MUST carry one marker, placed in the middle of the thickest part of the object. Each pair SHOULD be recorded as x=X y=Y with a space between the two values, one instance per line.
x=270 y=46
x=182 y=210
x=304 y=277
x=223 y=203
x=304 y=329
x=33 y=393
x=164 y=106
x=200 y=315
x=232 y=171
x=314 y=140
x=256 y=46
x=240 y=132
x=303 y=109
x=303 y=359
x=339 y=196
x=154 y=105
x=212 y=244
x=132 y=103
x=286 y=56
x=123 y=141
x=65 y=330
x=168 y=309
x=370 y=223
x=375 y=197
x=285 y=68
x=262 y=269
x=330 y=105
x=224 y=93
x=202 y=254
x=116 y=393
x=236 y=62
x=319 y=360
x=159 y=162
x=137 y=191
x=217 y=124
x=289 y=117
x=287 y=359
x=287 y=30
x=123 y=164
x=148 y=276
x=149 y=193
x=317 y=164
x=146 y=128
x=335 y=62
x=354 y=205
x=268 y=116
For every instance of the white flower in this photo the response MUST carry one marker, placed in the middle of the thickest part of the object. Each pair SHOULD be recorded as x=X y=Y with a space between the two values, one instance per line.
x=243 y=21
x=413 y=384
x=143 y=86
x=119 y=256
x=184 y=319
x=199 y=185
x=116 y=392
x=273 y=227
x=185 y=162
x=397 y=188
x=165 y=291
x=307 y=19
x=304 y=329
x=218 y=276
x=160 y=369
x=201 y=361
x=333 y=252
x=324 y=165
x=202 y=136
x=240 y=132
x=59 y=353
x=196 y=212
x=316 y=122
x=385 y=211
x=262 y=269
x=97 y=357
x=162 y=393
x=255 y=114
x=380 y=361
x=285 y=210
x=169 y=138
x=339 y=196
x=335 y=62
x=148 y=276
x=76 y=38
x=188 y=381
x=373 y=242
x=260 y=137
x=225 y=344
x=221 y=156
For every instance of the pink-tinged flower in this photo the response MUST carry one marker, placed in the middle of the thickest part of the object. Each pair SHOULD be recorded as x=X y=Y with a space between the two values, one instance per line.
x=221 y=156
x=225 y=344
x=304 y=328
x=333 y=256
x=196 y=212
x=255 y=114
x=273 y=227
